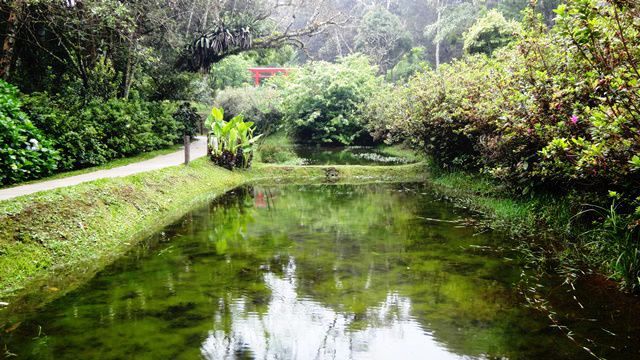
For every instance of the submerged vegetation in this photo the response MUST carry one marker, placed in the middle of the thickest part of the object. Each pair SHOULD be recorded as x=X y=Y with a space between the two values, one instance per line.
x=526 y=112
x=59 y=230
x=267 y=257
x=552 y=114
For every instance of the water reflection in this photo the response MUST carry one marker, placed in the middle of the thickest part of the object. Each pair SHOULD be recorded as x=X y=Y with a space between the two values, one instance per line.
x=352 y=155
x=295 y=327
x=311 y=272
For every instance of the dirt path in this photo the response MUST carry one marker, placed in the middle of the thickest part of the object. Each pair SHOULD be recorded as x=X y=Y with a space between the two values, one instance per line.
x=198 y=149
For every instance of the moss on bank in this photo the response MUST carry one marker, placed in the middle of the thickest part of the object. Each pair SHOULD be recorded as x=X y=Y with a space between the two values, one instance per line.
x=57 y=238
x=552 y=236
x=521 y=217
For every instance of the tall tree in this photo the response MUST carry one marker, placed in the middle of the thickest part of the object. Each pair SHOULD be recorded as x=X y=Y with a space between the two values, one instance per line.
x=8 y=46
x=268 y=25
x=453 y=17
x=69 y=40
x=382 y=37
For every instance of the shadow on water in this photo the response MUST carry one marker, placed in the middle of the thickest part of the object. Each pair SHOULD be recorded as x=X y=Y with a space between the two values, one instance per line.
x=317 y=272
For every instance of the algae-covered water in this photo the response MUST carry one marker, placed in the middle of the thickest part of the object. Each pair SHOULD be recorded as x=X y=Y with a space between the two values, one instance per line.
x=317 y=272
x=352 y=155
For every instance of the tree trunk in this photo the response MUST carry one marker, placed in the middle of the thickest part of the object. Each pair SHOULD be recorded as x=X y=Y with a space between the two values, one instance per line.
x=188 y=31
x=126 y=83
x=8 y=46
x=206 y=17
x=128 y=75
x=438 y=37
x=337 y=40
x=187 y=149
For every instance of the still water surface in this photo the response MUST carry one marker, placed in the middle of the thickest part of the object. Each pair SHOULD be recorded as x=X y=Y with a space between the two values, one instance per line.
x=311 y=272
x=353 y=155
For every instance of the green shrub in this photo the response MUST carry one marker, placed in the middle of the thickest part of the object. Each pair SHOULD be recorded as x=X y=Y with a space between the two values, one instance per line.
x=490 y=32
x=78 y=141
x=188 y=119
x=443 y=112
x=25 y=153
x=131 y=127
x=322 y=101
x=100 y=131
x=260 y=104
x=166 y=129
x=232 y=71
x=551 y=111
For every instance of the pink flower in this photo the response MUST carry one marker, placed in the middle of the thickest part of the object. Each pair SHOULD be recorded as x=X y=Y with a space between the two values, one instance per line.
x=574 y=119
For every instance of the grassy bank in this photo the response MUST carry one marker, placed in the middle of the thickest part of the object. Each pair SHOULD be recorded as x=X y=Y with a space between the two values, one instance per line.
x=560 y=234
x=278 y=148
x=55 y=239
x=523 y=217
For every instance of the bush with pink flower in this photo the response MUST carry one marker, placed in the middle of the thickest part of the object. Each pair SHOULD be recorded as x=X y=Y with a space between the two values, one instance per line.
x=557 y=109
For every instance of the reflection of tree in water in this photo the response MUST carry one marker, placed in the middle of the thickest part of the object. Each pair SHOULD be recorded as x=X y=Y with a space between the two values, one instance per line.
x=321 y=271
x=295 y=327
x=356 y=245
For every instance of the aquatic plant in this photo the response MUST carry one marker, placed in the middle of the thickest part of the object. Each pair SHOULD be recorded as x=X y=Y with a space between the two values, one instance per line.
x=230 y=143
x=616 y=243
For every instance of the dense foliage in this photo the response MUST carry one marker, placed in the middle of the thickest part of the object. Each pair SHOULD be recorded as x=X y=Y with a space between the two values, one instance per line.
x=102 y=130
x=96 y=73
x=188 y=119
x=409 y=64
x=24 y=152
x=321 y=101
x=558 y=108
x=556 y=111
x=259 y=104
x=231 y=72
x=490 y=32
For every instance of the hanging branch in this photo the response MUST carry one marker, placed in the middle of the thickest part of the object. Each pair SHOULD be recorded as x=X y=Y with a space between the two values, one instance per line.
x=211 y=47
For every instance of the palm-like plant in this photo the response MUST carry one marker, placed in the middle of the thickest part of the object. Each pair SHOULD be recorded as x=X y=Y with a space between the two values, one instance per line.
x=212 y=46
x=230 y=143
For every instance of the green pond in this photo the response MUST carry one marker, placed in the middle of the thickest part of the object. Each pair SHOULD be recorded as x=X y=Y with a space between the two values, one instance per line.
x=351 y=155
x=324 y=272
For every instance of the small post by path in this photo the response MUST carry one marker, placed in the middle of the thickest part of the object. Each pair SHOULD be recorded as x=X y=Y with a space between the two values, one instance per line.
x=187 y=150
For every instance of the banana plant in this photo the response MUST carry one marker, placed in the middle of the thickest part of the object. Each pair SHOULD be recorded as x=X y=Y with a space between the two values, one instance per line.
x=230 y=143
